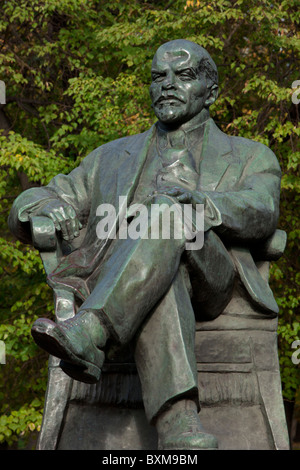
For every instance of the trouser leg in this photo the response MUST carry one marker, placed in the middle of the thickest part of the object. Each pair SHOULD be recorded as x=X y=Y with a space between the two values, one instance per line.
x=137 y=273
x=133 y=278
x=212 y=275
x=165 y=350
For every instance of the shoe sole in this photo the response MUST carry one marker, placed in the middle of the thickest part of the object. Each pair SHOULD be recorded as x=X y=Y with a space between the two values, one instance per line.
x=89 y=374
x=74 y=366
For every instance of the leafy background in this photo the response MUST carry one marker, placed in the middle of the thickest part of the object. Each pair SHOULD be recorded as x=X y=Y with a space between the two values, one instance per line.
x=77 y=75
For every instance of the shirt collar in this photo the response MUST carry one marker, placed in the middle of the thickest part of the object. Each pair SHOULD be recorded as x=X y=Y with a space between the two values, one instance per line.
x=184 y=137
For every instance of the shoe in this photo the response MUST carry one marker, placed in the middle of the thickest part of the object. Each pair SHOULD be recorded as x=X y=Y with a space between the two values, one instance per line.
x=180 y=429
x=73 y=341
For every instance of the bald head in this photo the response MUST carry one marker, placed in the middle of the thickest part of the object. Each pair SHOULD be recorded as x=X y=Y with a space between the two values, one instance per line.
x=184 y=49
x=184 y=82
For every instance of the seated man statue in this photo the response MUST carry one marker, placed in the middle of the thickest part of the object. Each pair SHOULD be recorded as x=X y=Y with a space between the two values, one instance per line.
x=146 y=291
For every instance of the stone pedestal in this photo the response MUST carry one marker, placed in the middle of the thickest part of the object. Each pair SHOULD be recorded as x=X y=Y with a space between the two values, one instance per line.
x=239 y=386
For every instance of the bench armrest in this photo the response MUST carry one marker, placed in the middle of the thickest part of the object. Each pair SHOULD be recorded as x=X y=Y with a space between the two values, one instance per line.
x=43 y=233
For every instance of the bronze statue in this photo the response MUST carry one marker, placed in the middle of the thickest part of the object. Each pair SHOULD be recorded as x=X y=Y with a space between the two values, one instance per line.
x=122 y=283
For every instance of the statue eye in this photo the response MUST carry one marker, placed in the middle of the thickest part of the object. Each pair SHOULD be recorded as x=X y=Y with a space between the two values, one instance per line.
x=186 y=75
x=157 y=77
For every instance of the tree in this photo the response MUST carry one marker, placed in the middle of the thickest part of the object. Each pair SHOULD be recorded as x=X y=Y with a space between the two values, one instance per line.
x=77 y=76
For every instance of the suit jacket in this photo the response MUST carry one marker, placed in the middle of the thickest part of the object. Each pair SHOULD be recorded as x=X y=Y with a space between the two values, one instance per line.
x=241 y=179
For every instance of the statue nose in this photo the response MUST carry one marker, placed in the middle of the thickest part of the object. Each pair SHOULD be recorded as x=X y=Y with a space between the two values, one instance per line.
x=169 y=82
x=168 y=86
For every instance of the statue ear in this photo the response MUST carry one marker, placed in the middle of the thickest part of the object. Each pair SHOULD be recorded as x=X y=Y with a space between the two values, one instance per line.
x=213 y=95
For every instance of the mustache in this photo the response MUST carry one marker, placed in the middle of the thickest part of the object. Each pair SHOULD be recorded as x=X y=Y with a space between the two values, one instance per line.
x=167 y=97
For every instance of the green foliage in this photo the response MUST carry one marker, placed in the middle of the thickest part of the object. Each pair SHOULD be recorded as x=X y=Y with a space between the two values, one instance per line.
x=77 y=74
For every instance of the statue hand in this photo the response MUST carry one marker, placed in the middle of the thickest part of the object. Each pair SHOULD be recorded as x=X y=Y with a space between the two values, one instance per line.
x=64 y=218
x=185 y=196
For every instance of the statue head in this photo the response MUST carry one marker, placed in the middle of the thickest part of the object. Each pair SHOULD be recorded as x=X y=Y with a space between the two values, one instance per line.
x=184 y=82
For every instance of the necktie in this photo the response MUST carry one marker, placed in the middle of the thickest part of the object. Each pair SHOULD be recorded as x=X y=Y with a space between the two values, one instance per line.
x=172 y=147
x=177 y=160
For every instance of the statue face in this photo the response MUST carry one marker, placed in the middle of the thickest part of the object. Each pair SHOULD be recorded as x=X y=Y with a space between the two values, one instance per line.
x=178 y=91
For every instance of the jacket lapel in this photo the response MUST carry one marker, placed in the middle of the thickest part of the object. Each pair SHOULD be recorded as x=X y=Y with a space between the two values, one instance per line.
x=213 y=165
x=130 y=168
x=132 y=162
